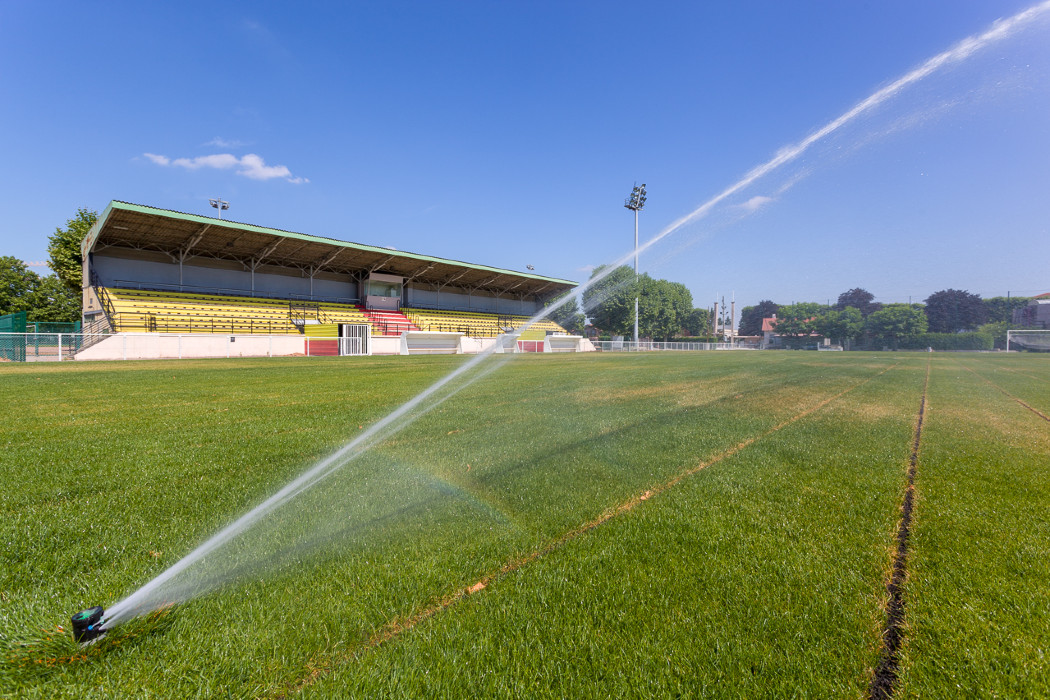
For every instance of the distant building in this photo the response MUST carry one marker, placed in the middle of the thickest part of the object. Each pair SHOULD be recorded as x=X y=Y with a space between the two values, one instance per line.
x=1036 y=314
x=770 y=339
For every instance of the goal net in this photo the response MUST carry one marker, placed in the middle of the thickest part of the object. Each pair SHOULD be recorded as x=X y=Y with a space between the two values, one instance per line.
x=1035 y=340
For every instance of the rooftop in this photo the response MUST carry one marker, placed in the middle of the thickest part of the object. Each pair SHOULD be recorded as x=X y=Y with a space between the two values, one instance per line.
x=139 y=227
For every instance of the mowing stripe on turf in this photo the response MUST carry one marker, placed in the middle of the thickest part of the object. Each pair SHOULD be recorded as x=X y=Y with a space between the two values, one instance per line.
x=1014 y=370
x=882 y=684
x=1031 y=408
x=396 y=626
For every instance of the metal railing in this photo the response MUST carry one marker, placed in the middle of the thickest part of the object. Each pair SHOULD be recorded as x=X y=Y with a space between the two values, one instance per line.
x=40 y=347
x=106 y=301
x=390 y=327
x=653 y=346
x=62 y=347
x=352 y=346
x=144 y=321
x=230 y=291
x=472 y=331
x=299 y=313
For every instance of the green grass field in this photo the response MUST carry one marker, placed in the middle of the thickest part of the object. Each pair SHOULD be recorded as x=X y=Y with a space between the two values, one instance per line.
x=646 y=525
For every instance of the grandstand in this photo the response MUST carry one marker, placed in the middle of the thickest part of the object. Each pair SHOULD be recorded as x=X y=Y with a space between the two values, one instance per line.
x=155 y=271
x=138 y=310
x=479 y=325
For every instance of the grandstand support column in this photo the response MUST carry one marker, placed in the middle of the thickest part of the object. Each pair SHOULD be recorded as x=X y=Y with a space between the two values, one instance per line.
x=256 y=260
x=184 y=251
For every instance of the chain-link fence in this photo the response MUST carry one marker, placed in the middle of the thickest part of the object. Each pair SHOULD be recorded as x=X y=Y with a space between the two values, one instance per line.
x=12 y=337
x=59 y=347
x=40 y=347
x=52 y=327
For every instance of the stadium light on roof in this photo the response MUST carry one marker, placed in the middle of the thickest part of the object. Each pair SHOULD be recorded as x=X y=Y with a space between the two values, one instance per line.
x=636 y=202
x=219 y=204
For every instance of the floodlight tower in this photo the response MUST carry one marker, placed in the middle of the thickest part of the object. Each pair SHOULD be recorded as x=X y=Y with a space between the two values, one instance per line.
x=219 y=204
x=636 y=202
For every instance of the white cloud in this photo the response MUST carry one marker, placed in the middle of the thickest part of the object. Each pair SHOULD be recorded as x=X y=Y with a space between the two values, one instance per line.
x=254 y=167
x=588 y=269
x=220 y=161
x=250 y=165
x=220 y=142
x=756 y=202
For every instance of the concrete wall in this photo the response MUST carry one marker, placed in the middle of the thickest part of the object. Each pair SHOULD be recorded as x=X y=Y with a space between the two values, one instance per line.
x=386 y=345
x=473 y=346
x=90 y=303
x=425 y=295
x=155 y=346
x=207 y=275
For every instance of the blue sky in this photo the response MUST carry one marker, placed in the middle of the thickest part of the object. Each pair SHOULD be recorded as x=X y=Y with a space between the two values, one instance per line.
x=509 y=133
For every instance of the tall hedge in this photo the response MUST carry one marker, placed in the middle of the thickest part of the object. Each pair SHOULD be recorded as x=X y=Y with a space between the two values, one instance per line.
x=948 y=341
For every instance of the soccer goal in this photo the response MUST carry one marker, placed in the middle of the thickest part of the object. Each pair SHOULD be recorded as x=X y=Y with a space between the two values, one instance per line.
x=563 y=343
x=1033 y=340
x=431 y=343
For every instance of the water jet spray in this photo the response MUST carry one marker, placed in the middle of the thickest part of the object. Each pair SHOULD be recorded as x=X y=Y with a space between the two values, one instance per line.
x=182 y=580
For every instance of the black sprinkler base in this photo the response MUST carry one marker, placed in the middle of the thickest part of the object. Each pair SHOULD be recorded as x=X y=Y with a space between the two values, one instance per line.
x=87 y=624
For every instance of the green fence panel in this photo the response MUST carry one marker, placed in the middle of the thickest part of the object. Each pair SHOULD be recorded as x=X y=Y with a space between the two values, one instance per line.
x=13 y=347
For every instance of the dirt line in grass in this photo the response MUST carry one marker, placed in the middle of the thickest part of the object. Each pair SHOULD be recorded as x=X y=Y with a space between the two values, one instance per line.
x=397 y=626
x=885 y=678
x=1006 y=393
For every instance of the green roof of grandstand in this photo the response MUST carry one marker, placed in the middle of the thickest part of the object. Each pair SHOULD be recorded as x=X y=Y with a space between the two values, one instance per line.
x=148 y=228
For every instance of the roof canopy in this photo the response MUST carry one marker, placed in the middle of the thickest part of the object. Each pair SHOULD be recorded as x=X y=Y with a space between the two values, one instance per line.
x=188 y=235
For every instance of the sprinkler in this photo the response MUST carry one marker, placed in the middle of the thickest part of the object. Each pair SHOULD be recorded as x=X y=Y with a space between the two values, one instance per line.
x=87 y=625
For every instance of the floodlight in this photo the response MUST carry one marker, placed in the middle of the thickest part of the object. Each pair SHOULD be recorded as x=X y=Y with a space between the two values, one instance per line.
x=219 y=204
x=636 y=202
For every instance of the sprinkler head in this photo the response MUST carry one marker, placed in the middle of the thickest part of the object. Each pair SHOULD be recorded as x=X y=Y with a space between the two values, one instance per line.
x=87 y=625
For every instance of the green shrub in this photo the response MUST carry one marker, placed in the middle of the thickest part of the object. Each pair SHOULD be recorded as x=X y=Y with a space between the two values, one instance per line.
x=948 y=341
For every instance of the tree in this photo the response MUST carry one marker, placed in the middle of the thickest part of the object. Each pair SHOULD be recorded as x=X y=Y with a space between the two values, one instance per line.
x=18 y=286
x=697 y=323
x=610 y=302
x=797 y=319
x=842 y=325
x=751 y=317
x=663 y=307
x=895 y=322
x=64 y=248
x=860 y=299
x=54 y=301
x=952 y=310
x=1001 y=309
x=996 y=329
x=568 y=315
